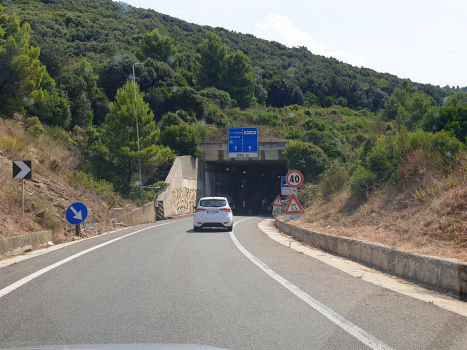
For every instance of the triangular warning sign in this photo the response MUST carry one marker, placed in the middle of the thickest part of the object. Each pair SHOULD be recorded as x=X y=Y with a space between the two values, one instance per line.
x=294 y=207
x=277 y=202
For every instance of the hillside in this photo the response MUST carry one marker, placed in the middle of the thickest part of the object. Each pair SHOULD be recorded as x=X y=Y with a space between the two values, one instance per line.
x=375 y=150
x=53 y=186
x=103 y=32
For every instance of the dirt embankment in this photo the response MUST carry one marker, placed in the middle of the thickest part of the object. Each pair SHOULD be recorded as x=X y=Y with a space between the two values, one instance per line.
x=49 y=192
x=427 y=215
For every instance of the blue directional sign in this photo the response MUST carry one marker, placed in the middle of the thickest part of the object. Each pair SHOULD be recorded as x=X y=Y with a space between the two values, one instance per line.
x=76 y=213
x=243 y=142
x=284 y=183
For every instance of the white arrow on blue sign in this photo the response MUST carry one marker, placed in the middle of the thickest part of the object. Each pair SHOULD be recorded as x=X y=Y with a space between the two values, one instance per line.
x=76 y=213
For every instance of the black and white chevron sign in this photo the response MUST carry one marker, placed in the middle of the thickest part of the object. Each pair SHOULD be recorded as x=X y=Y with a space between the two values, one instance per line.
x=22 y=169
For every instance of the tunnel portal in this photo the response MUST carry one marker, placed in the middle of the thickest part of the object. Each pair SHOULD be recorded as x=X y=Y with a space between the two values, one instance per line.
x=250 y=186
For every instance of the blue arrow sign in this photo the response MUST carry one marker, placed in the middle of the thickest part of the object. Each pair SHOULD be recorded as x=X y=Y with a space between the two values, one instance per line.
x=243 y=142
x=76 y=213
x=284 y=183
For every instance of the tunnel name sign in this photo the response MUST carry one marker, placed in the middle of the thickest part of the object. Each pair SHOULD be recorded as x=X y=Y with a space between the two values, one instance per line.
x=243 y=142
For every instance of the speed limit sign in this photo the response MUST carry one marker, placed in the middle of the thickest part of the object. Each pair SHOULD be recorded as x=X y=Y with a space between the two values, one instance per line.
x=294 y=178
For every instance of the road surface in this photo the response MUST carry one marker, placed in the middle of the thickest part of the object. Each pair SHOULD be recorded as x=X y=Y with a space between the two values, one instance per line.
x=164 y=283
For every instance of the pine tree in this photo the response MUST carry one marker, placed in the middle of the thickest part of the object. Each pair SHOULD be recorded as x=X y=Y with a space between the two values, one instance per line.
x=210 y=62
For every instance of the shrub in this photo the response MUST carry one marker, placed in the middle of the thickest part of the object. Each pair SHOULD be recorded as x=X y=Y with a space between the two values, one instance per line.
x=170 y=119
x=215 y=116
x=333 y=182
x=13 y=144
x=386 y=156
x=34 y=126
x=268 y=118
x=219 y=97
x=294 y=135
x=361 y=183
x=101 y=187
x=182 y=139
x=307 y=158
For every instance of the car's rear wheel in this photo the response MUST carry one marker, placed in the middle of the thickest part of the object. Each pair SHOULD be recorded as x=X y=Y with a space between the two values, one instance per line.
x=229 y=228
x=196 y=229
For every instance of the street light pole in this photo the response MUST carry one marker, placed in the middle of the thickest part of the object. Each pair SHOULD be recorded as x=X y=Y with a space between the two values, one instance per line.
x=137 y=130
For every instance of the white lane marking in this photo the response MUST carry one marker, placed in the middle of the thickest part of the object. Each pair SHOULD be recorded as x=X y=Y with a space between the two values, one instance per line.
x=363 y=272
x=346 y=325
x=36 y=274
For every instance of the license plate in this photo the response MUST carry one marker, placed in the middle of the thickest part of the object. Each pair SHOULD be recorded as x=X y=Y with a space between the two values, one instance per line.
x=213 y=211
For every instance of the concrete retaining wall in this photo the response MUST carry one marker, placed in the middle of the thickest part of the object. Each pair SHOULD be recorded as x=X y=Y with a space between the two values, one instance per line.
x=444 y=275
x=143 y=215
x=186 y=186
x=18 y=244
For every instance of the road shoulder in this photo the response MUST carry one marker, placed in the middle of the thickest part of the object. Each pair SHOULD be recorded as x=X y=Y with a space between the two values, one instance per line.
x=365 y=273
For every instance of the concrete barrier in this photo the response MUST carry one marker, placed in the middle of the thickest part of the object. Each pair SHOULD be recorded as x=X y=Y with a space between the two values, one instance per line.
x=143 y=215
x=447 y=276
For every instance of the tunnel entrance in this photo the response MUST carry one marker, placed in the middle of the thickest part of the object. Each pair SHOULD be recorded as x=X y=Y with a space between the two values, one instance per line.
x=250 y=186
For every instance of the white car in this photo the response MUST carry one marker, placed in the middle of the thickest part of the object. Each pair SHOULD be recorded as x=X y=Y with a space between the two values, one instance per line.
x=213 y=212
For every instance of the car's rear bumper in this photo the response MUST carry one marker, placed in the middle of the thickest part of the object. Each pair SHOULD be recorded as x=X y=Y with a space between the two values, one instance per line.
x=227 y=222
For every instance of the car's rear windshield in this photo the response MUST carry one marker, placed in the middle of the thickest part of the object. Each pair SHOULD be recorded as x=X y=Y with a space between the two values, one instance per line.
x=212 y=203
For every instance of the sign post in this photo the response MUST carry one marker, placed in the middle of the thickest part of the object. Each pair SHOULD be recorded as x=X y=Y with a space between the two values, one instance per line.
x=21 y=171
x=243 y=142
x=76 y=214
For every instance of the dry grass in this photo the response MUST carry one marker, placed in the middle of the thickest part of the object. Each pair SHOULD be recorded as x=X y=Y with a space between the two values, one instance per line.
x=49 y=192
x=426 y=213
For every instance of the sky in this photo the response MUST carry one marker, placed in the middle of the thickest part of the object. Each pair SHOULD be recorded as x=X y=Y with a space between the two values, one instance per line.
x=423 y=40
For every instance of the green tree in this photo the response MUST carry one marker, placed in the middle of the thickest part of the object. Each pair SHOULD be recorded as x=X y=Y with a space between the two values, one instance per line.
x=307 y=158
x=183 y=139
x=158 y=47
x=21 y=70
x=238 y=79
x=120 y=139
x=210 y=61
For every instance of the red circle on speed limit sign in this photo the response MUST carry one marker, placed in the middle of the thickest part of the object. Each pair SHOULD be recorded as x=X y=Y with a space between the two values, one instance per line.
x=294 y=178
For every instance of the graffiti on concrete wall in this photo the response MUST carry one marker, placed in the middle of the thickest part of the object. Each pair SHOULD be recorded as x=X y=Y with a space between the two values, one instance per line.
x=184 y=198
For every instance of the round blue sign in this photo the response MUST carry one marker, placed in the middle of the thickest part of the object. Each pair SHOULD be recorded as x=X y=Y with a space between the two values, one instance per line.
x=76 y=213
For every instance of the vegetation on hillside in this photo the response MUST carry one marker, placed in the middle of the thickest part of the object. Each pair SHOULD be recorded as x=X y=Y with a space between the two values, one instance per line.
x=70 y=64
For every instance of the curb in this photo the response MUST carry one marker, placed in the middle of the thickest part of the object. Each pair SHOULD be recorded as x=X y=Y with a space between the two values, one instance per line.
x=446 y=276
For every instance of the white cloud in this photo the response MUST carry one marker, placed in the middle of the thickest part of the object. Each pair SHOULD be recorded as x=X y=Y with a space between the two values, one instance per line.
x=279 y=28
x=353 y=60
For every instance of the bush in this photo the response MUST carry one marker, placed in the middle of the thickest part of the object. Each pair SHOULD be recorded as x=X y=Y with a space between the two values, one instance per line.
x=170 y=119
x=307 y=158
x=219 y=97
x=101 y=187
x=294 y=135
x=13 y=144
x=182 y=139
x=386 y=156
x=361 y=183
x=34 y=126
x=333 y=182
x=215 y=116
x=268 y=118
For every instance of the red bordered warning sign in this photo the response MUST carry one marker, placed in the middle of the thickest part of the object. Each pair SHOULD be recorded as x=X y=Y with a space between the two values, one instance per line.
x=277 y=202
x=294 y=207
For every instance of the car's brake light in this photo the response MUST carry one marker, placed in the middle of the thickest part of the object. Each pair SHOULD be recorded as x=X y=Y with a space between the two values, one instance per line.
x=225 y=209
x=200 y=209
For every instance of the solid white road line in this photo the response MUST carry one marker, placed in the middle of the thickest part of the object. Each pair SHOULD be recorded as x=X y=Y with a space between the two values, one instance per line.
x=36 y=274
x=349 y=327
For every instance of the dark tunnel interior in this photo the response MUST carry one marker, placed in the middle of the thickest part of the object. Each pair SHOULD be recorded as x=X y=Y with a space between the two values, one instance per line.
x=250 y=186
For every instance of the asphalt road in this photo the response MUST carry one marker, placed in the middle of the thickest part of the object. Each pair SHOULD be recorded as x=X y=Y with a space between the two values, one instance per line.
x=168 y=284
